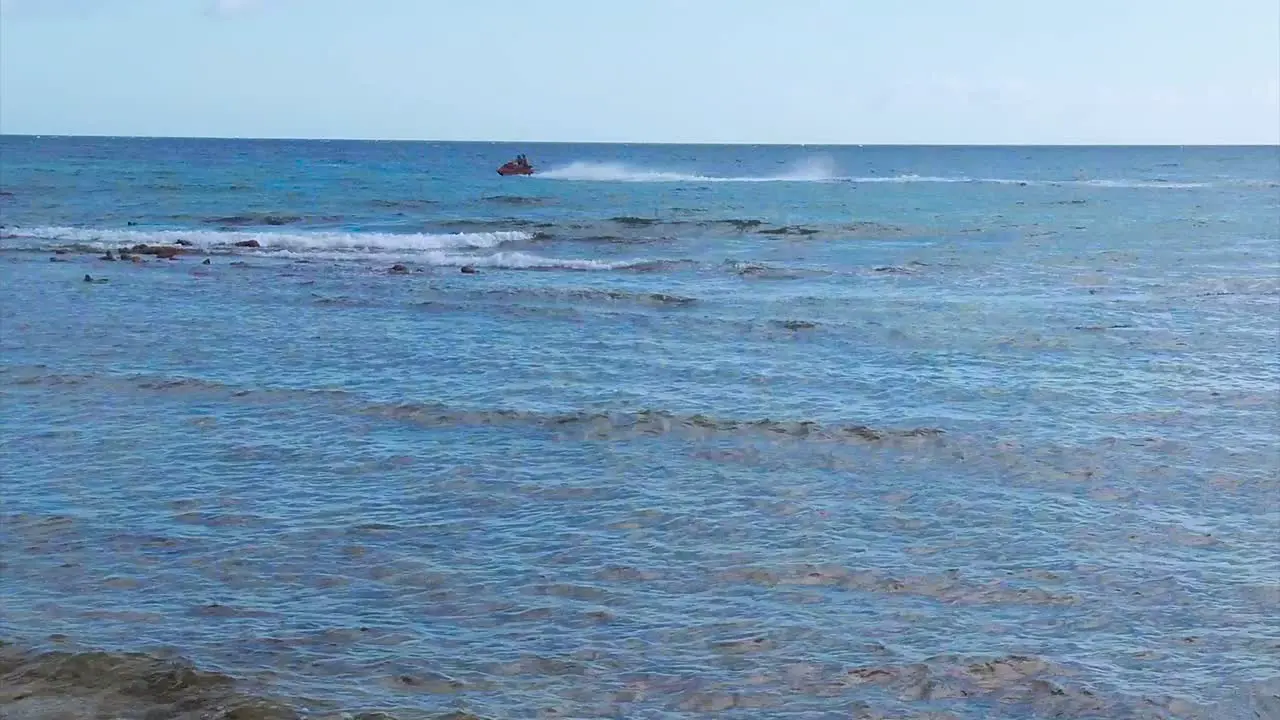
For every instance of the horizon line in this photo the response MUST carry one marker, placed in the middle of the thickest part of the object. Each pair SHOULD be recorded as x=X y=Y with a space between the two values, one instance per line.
x=284 y=138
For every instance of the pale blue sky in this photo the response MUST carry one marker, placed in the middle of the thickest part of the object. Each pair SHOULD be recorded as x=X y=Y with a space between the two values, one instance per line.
x=837 y=71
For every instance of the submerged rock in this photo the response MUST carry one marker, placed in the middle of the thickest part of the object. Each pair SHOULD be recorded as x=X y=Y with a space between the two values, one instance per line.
x=164 y=252
x=100 y=684
x=788 y=230
x=671 y=299
x=430 y=682
x=207 y=261
x=744 y=645
x=635 y=221
x=1015 y=679
x=108 y=256
x=248 y=244
x=469 y=270
x=398 y=269
x=797 y=324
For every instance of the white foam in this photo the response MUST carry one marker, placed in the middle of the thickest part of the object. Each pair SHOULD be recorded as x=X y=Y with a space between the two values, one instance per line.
x=822 y=169
x=911 y=178
x=418 y=249
x=614 y=172
x=1137 y=184
x=817 y=169
x=1097 y=183
x=1254 y=182
x=439 y=258
x=519 y=260
x=273 y=241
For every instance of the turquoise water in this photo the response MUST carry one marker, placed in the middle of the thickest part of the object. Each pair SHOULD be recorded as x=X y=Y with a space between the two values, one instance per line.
x=762 y=431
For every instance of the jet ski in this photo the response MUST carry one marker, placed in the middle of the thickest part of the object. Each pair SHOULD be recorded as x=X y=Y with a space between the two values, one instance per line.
x=519 y=166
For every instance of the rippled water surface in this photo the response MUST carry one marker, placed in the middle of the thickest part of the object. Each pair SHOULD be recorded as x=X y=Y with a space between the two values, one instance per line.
x=660 y=432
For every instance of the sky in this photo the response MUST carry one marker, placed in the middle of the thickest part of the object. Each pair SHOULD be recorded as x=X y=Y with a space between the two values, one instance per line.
x=720 y=71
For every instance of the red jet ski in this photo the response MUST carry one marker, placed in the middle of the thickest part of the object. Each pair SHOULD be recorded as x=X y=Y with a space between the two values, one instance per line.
x=519 y=166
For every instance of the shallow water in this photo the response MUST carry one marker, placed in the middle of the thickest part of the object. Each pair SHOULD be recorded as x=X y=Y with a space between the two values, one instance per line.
x=758 y=431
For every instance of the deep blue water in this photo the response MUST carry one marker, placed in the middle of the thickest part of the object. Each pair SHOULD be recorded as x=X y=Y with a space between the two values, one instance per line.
x=765 y=431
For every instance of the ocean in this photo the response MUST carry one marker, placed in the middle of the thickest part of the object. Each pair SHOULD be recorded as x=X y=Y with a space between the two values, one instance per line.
x=659 y=432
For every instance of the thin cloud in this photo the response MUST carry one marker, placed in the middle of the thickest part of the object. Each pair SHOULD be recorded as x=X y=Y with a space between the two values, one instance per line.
x=36 y=8
x=49 y=8
x=233 y=7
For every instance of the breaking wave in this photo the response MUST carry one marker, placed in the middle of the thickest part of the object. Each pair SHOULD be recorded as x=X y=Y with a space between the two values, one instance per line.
x=503 y=260
x=267 y=241
x=432 y=250
x=810 y=170
x=419 y=248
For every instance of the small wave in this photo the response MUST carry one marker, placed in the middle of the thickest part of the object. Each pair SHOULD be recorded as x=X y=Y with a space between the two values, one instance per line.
x=600 y=425
x=589 y=424
x=401 y=204
x=608 y=239
x=269 y=241
x=253 y=219
x=762 y=271
x=586 y=294
x=949 y=586
x=476 y=223
x=517 y=200
x=811 y=170
x=653 y=266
